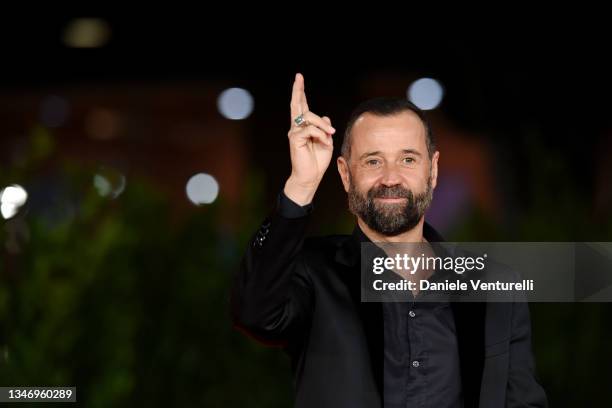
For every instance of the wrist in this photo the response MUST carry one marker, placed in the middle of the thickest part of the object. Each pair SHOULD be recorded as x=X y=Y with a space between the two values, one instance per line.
x=300 y=193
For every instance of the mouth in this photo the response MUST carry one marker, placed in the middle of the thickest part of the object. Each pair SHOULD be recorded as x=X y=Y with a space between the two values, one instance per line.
x=391 y=200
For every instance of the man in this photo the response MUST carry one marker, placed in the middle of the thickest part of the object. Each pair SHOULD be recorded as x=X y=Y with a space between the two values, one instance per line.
x=305 y=294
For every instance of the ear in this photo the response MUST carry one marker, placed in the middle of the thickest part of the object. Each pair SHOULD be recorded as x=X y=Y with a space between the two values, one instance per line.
x=343 y=169
x=434 y=169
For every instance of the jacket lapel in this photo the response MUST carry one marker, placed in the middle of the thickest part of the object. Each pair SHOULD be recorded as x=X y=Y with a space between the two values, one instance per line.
x=470 y=331
x=469 y=326
x=348 y=255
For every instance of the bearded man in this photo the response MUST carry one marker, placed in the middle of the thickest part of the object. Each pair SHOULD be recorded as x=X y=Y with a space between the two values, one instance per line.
x=304 y=294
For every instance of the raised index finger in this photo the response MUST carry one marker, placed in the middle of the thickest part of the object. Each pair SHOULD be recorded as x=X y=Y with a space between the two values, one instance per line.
x=298 y=97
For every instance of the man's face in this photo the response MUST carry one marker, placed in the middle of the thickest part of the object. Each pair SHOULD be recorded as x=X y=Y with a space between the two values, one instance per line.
x=389 y=177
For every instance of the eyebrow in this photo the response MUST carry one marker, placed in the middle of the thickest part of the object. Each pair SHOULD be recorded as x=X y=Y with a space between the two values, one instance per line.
x=378 y=152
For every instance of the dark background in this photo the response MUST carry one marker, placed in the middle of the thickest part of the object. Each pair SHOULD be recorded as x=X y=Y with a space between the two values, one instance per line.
x=127 y=298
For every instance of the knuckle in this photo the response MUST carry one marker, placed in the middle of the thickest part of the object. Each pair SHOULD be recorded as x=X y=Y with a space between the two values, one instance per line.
x=313 y=115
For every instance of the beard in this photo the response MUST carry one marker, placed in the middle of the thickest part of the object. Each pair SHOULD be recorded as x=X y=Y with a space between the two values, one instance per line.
x=389 y=219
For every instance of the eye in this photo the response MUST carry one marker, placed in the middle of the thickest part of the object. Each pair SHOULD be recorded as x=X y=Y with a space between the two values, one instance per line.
x=372 y=162
x=408 y=160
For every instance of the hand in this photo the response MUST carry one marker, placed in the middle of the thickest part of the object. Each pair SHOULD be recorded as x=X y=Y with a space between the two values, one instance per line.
x=310 y=146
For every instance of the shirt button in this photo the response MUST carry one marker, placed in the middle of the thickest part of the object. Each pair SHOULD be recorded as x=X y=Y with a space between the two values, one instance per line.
x=415 y=363
x=411 y=313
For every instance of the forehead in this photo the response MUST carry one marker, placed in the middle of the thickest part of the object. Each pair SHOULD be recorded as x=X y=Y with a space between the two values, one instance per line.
x=388 y=134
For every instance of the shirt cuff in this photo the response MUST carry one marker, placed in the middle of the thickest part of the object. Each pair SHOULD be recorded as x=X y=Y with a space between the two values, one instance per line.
x=288 y=208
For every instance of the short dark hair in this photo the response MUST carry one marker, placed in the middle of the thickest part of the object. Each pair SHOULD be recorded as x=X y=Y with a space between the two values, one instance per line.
x=386 y=106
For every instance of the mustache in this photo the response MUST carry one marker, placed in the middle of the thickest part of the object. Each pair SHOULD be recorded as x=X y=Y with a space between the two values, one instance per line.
x=396 y=191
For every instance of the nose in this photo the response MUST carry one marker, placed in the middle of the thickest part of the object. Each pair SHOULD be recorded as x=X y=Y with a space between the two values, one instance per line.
x=390 y=176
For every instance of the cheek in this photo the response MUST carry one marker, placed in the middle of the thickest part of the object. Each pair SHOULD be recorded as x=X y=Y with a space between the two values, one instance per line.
x=418 y=176
x=364 y=180
x=419 y=181
x=415 y=180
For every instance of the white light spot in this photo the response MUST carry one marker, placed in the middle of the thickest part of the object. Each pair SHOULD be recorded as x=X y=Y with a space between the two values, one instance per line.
x=235 y=103
x=426 y=93
x=87 y=33
x=109 y=183
x=14 y=194
x=53 y=111
x=102 y=185
x=8 y=210
x=202 y=189
x=11 y=198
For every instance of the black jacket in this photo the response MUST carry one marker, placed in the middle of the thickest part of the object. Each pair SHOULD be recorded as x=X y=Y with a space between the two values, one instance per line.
x=304 y=294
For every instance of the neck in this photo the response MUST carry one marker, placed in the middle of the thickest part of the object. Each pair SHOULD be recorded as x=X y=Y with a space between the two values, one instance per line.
x=413 y=235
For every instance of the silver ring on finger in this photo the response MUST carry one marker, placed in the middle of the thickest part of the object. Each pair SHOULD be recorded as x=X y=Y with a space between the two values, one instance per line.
x=300 y=121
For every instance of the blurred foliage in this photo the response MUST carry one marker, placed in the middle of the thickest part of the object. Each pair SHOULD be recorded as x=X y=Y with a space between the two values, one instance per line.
x=129 y=304
x=123 y=301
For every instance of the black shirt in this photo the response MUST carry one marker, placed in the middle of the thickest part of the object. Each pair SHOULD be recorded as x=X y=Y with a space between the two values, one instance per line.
x=421 y=360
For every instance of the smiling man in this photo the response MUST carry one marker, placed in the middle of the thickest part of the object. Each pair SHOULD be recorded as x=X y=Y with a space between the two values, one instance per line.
x=393 y=155
x=304 y=294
